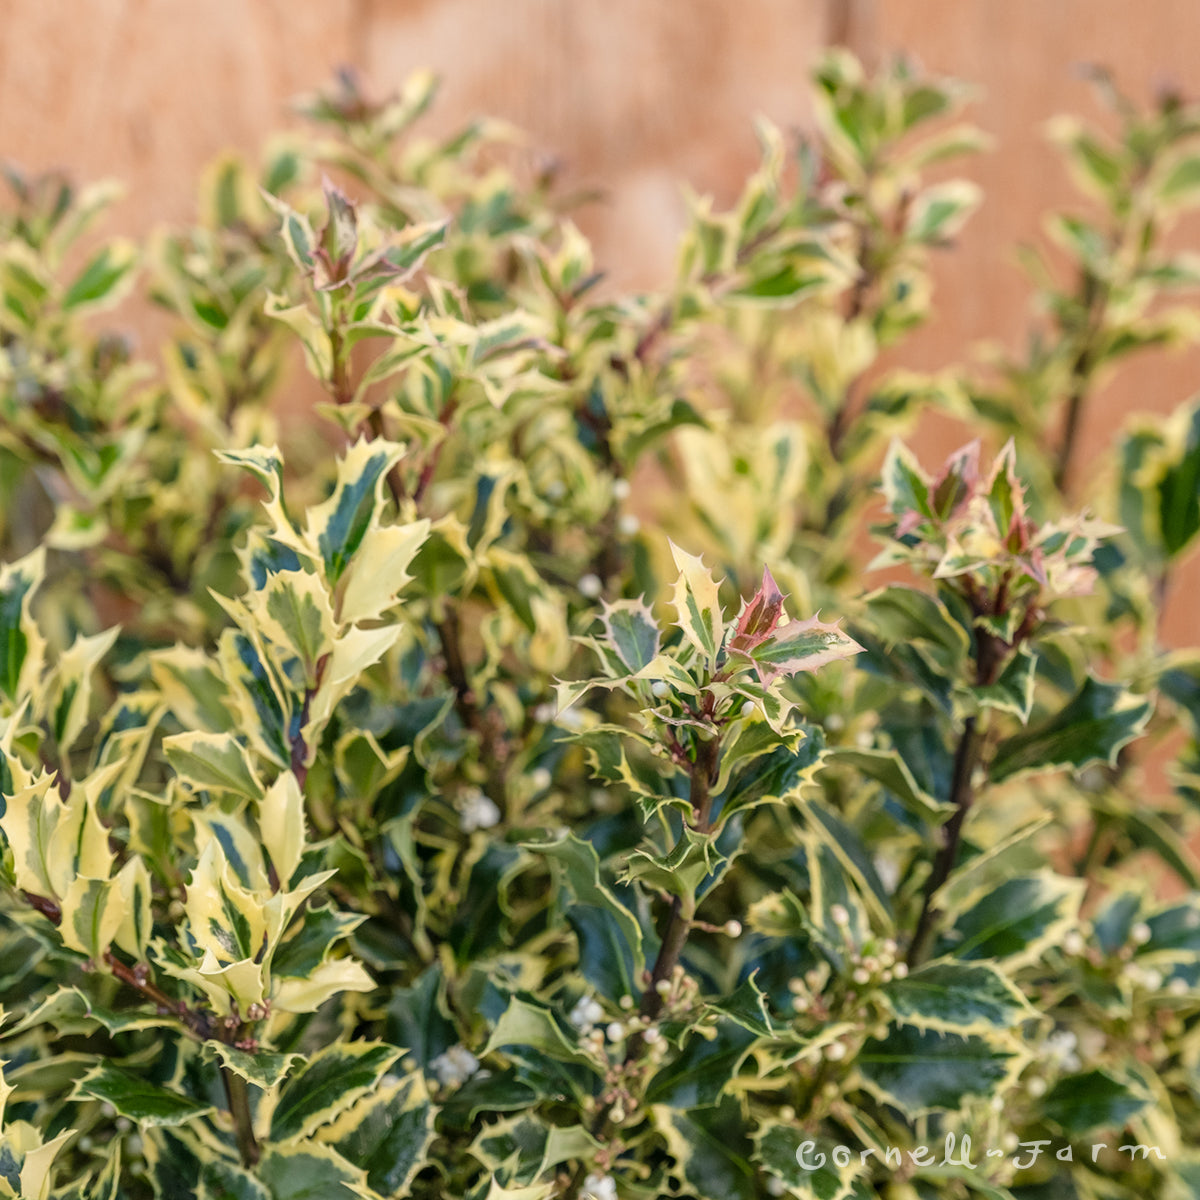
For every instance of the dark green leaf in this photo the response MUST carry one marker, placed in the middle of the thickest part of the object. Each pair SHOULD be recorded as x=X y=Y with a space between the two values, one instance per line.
x=1015 y=922
x=957 y=997
x=703 y=1069
x=1080 y=1103
x=327 y=1085
x=136 y=1098
x=1094 y=725
x=919 y=1070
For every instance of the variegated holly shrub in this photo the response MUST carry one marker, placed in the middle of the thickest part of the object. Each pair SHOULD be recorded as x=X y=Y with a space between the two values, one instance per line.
x=525 y=784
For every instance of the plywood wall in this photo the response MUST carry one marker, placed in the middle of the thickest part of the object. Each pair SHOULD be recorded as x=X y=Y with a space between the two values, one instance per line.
x=632 y=95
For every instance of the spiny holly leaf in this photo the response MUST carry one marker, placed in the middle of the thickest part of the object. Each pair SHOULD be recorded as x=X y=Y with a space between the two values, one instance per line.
x=380 y=571
x=703 y=1069
x=310 y=1171
x=632 y=632
x=337 y=527
x=293 y=610
x=805 y=1164
x=712 y=1150
x=1093 y=1100
x=905 y=487
x=1006 y=495
x=136 y=1098
x=263 y=1069
x=1013 y=691
x=525 y=1024
x=331 y=1081
x=697 y=606
x=922 y=1071
x=1179 y=485
x=802 y=646
x=888 y=768
x=760 y=616
x=1098 y=721
x=959 y=997
x=1016 y=921
x=20 y=643
x=609 y=936
x=386 y=1133
x=213 y=762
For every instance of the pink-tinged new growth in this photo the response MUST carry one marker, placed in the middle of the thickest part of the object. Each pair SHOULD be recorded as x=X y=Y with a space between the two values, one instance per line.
x=760 y=616
x=778 y=650
x=955 y=486
x=978 y=530
x=801 y=646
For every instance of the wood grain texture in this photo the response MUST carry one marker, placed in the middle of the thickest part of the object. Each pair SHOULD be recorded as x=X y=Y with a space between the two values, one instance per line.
x=149 y=90
x=634 y=97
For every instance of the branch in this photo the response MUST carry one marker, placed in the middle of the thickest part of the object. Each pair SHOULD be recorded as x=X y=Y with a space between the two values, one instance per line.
x=962 y=796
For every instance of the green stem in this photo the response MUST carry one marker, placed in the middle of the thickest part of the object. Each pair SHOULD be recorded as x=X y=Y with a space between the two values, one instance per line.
x=239 y=1110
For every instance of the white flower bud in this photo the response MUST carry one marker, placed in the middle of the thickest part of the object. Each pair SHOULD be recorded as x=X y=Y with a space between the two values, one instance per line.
x=835 y=1051
x=1177 y=987
x=477 y=811
x=1036 y=1087
x=839 y=914
x=628 y=524
x=776 y=1186
x=749 y=708
x=621 y=489
x=660 y=688
x=900 y=970
x=626 y=1002
x=733 y=928
x=1072 y=943
x=556 y=489
x=1140 y=934
x=599 y=1187
x=585 y=1014
x=861 y=976
x=651 y=1036
x=663 y=987
x=541 y=779
x=615 y=1031
x=835 y=722
x=590 y=586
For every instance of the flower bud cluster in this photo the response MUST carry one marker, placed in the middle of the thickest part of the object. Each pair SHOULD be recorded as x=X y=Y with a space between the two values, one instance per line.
x=455 y=1066
x=876 y=963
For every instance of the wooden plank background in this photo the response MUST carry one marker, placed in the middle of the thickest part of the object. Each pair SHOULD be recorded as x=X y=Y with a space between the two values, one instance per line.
x=632 y=95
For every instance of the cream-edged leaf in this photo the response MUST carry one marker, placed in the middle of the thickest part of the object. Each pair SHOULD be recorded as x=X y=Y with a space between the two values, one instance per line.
x=281 y=823
x=380 y=570
x=697 y=605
